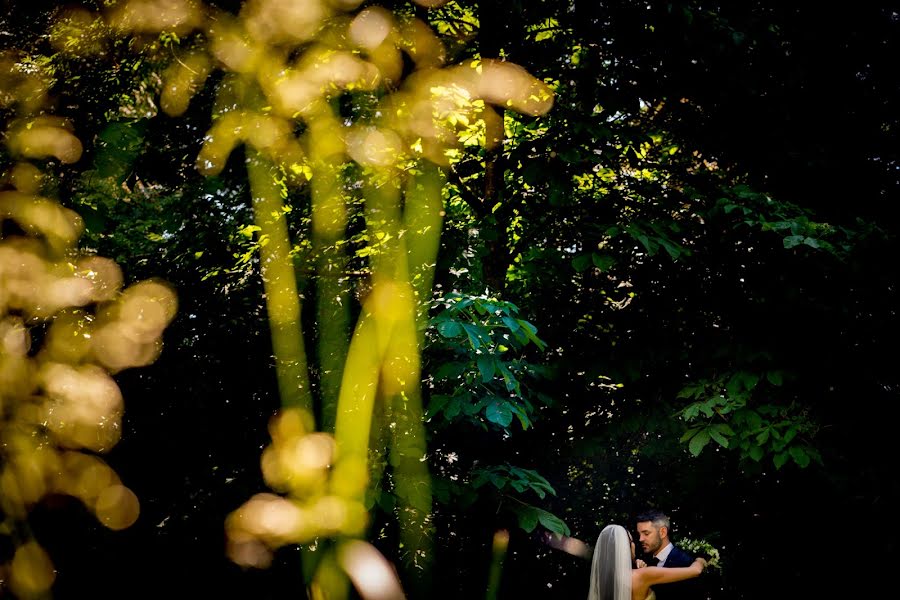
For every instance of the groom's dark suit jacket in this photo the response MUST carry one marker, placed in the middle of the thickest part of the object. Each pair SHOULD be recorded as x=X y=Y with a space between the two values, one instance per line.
x=683 y=590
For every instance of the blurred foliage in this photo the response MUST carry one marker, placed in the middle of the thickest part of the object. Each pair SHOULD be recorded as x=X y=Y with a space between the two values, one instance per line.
x=67 y=325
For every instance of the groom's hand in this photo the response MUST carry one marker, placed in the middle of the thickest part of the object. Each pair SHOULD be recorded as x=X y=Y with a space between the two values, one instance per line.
x=703 y=563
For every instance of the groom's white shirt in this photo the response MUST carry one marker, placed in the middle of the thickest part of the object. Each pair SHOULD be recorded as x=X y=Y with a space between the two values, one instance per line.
x=664 y=554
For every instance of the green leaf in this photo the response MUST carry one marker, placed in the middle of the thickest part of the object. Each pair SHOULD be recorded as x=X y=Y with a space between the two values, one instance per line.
x=472 y=408
x=528 y=518
x=499 y=412
x=753 y=419
x=604 y=262
x=673 y=250
x=790 y=434
x=691 y=411
x=512 y=384
x=698 y=442
x=689 y=434
x=530 y=331
x=538 y=481
x=756 y=453
x=523 y=417
x=716 y=434
x=792 y=241
x=725 y=429
x=449 y=329
x=749 y=380
x=581 y=263
x=780 y=459
x=690 y=391
x=800 y=456
x=649 y=245
x=475 y=335
x=480 y=307
x=453 y=408
x=487 y=365
x=553 y=523
x=774 y=377
x=511 y=323
x=450 y=370
x=437 y=402
x=386 y=501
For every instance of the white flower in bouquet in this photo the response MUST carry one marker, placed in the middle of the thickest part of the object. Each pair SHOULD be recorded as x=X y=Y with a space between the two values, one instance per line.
x=700 y=547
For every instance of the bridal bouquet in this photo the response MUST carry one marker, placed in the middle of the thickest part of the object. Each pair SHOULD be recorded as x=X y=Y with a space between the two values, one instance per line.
x=700 y=547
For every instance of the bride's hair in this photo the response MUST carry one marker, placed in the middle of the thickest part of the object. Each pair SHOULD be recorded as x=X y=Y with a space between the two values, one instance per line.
x=611 y=565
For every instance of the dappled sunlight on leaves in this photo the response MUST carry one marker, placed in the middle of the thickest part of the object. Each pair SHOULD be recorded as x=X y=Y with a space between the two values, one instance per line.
x=288 y=67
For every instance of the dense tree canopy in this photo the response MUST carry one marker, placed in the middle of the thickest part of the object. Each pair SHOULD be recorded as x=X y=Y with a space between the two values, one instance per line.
x=672 y=289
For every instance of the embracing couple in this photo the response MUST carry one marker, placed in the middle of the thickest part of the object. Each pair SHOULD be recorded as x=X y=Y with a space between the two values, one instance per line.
x=617 y=575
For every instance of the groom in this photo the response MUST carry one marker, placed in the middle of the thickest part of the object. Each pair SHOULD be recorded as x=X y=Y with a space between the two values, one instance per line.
x=653 y=528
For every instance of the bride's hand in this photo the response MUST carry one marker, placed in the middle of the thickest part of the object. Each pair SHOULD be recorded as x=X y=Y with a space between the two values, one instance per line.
x=640 y=564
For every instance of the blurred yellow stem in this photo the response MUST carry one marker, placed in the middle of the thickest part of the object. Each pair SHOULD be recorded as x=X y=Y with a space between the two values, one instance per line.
x=329 y=222
x=280 y=284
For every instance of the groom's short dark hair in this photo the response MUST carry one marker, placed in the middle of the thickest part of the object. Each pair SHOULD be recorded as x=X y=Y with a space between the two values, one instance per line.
x=657 y=517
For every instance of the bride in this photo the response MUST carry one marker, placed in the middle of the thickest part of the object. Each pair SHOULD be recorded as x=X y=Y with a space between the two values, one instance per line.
x=612 y=577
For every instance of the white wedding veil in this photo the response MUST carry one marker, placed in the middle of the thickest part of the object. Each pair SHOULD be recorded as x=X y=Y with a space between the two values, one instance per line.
x=611 y=565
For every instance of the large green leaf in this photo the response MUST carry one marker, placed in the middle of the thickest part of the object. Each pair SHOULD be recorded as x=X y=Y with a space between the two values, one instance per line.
x=553 y=523
x=449 y=329
x=716 y=433
x=499 y=412
x=698 y=442
x=780 y=459
x=487 y=366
